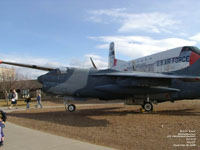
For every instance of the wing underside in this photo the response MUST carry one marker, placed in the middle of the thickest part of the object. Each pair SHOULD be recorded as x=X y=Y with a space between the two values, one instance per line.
x=141 y=82
x=148 y=76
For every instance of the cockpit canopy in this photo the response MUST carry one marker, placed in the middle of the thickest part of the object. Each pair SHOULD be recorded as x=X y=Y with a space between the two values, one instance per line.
x=62 y=70
x=191 y=48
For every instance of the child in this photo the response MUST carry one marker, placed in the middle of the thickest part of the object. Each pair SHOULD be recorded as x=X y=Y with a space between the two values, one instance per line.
x=2 y=125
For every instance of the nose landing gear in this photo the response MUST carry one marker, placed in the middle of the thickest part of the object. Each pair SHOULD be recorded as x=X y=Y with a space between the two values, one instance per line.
x=69 y=107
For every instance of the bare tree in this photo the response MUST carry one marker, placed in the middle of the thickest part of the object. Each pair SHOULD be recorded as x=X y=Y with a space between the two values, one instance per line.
x=11 y=78
x=20 y=76
x=7 y=77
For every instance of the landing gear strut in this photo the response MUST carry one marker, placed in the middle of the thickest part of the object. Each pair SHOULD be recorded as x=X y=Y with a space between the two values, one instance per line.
x=69 y=107
x=147 y=106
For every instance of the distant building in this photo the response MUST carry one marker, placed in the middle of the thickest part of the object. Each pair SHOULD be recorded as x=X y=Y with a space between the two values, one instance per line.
x=25 y=87
x=9 y=79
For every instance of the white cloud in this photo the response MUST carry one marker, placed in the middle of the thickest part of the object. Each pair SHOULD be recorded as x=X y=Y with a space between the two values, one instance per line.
x=138 y=46
x=33 y=73
x=99 y=16
x=26 y=72
x=196 y=37
x=150 y=22
x=99 y=61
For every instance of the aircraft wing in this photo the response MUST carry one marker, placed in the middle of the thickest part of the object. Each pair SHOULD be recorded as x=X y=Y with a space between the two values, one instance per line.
x=27 y=66
x=148 y=75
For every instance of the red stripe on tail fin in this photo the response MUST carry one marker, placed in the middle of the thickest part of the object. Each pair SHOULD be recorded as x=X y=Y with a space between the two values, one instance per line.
x=194 y=57
x=115 y=62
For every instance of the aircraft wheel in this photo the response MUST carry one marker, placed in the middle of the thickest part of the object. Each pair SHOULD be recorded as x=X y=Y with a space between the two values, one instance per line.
x=71 y=107
x=142 y=106
x=148 y=106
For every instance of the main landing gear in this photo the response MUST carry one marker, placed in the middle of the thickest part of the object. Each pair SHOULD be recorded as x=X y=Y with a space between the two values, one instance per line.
x=147 y=106
x=69 y=107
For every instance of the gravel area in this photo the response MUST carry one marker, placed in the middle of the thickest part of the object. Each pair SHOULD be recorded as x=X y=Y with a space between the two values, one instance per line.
x=119 y=126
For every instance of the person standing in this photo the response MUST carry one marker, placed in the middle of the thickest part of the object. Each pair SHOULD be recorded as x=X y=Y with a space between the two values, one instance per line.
x=27 y=100
x=39 y=100
x=14 y=98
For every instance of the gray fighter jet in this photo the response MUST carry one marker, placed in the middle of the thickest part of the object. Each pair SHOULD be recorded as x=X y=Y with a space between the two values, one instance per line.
x=135 y=88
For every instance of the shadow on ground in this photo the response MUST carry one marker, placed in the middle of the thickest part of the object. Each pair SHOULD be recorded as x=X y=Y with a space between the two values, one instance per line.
x=81 y=118
x=86 y=117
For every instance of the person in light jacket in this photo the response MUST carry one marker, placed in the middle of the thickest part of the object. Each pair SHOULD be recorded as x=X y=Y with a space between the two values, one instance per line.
x=14 y=98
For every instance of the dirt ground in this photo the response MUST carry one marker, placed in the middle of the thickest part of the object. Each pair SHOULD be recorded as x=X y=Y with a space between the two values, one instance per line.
x=172 y=126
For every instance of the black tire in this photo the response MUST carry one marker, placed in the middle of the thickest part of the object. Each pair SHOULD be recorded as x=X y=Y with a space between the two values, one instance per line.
x=142 y=106
x=148 y=106
x=71 y=108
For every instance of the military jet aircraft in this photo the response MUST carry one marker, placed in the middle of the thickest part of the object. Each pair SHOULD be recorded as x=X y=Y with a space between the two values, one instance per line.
x=135 y=88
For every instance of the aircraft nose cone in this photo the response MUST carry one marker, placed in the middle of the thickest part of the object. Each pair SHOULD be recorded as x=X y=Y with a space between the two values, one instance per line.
x=41 y=79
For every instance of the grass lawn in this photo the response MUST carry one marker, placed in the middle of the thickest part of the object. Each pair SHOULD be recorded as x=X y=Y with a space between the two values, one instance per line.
x=20 y=102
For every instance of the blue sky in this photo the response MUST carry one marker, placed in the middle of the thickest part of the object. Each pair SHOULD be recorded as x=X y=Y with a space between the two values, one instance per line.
x=67 y=33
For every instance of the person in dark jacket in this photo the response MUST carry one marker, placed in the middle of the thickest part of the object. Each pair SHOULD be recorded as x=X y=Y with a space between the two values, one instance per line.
x=27 y=100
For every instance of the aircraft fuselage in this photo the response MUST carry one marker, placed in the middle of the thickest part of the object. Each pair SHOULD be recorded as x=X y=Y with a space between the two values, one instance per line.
x=82 y=83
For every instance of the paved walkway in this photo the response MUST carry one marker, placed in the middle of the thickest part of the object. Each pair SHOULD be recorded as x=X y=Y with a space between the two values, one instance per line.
x=21 y=138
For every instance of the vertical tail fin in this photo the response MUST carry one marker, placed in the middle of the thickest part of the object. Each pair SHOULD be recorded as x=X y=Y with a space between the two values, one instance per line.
x=118 y=64
x=93 y=64
x=111 y=57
